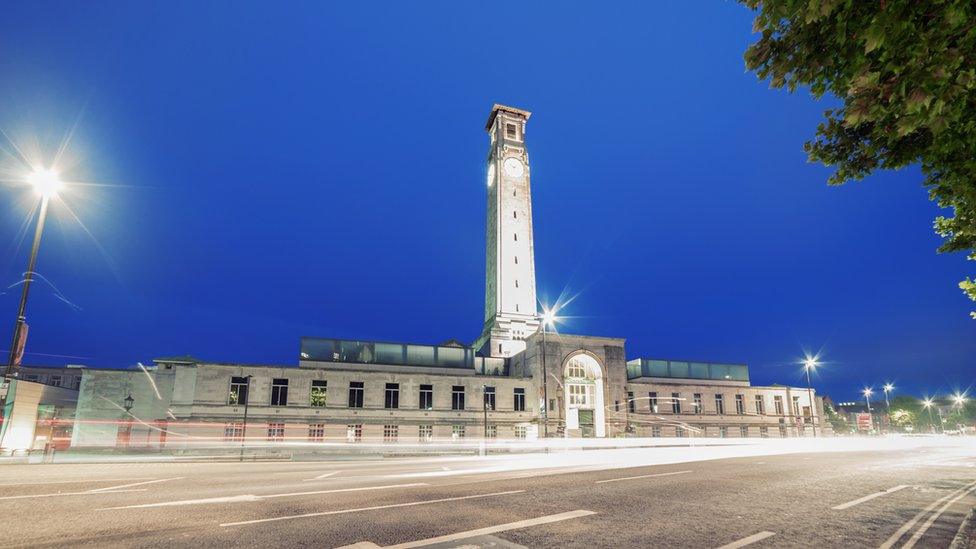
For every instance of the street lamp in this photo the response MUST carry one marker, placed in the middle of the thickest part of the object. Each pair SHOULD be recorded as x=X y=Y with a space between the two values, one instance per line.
x=867 y=399
x=548 y=319
x=127 y=402
x=811 y=364
x=888 y=387
x=927 y=403
x=247 y=399
x=46 y=183
x=484 y=406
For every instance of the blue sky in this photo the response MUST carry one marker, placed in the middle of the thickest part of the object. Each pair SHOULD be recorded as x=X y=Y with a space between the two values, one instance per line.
x=270 y=172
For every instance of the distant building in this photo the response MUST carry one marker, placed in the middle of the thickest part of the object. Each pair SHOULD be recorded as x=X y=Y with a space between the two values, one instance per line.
x=514 y=381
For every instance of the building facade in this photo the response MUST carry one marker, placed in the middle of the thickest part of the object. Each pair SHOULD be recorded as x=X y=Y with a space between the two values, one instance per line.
x=515 y=381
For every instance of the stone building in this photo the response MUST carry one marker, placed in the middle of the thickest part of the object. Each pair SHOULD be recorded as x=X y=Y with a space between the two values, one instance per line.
x=517 y=380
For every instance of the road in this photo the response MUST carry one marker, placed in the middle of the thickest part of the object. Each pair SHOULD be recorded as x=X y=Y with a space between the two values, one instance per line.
x=902 y=495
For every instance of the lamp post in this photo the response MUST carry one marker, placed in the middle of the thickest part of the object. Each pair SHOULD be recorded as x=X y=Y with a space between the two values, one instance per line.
x=484 y=406
x=247 y=399
x=548 y=317
x=46 y=184
x=959 y=400
x=127 y=403
x=888 y=387
x=927 y=403
x=867 y=399
x=809 y=364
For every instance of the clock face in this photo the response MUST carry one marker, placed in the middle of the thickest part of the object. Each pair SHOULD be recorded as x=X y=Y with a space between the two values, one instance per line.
x=514 y=167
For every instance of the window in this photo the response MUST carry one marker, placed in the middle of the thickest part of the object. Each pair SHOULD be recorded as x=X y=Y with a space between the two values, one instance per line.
x=521 y=431
x=740 y=405
x=234 y=432
x=392 y=400
x=457 y=397
x=276 y=432
x=519 y=399
x=616 y=406
x=516 y=283
x=631 y=403
x=579 y=395
x=391 y=433
x=778 y=404
x=457 y=431
x=796 y=406
x=516 y=260
x=764 y=432
x=426 y=397
x=489 y=398
x=676 y=405
x=32 y=377
x=652 y=399
x=760 y=405
x=77 y=383
x=782 y=431
x=552 y=404
x=316 y=432
x=317 y=397
x=743 y=431
x=723 y=432
x=679 y=432
x=56 y=381
x=492 y=431
x=516 y=237
x=656 y=431
x=279 y=391
x=356 y=391
x=354 y=433
x=511 y=131
x=238 y=391
x=719 y=404
x=697 y=403
x=426 y=433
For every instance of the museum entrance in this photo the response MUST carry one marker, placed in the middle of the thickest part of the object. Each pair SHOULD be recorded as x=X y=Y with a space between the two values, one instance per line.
x=583 y=385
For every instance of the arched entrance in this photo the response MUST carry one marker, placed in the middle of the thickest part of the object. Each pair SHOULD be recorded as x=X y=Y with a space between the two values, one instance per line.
x=583 y=388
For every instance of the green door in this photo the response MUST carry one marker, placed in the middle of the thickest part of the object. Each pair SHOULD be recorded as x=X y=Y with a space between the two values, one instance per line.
x=586 y=423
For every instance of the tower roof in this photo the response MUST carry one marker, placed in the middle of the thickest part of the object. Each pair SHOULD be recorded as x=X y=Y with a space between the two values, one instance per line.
x=513 y=110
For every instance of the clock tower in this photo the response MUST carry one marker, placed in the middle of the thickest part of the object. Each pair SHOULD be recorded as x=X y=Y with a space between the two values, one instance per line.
x=510 y=301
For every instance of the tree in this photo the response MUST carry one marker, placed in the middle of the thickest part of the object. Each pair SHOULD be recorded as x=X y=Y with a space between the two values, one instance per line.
x=837 y=421
x=906 y=73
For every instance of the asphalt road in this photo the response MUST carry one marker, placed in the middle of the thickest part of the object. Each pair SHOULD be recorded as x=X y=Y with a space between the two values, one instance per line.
x=916 y=496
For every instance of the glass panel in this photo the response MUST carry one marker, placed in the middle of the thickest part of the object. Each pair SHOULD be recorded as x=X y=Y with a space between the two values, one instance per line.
x=657 y=368
x=356 y=351
x=679 y=369
x=317 y=349
x=720 y=371
x=739 y=372
x=699 y=370
x=389 y=353
x=420 y=355
x=451 y=356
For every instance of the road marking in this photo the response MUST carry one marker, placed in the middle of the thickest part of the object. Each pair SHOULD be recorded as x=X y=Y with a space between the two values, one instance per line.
x=245 y=498
x=921 y=531
x=890 y=542
x=747 y=540
x=643 y=476
x=868 y=497
x=82 y=481
x=134 y=484
x=322 y=476
x=495 y=529
x=374 y=508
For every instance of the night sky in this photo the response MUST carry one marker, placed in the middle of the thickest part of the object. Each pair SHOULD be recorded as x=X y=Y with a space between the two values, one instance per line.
x=257 y=174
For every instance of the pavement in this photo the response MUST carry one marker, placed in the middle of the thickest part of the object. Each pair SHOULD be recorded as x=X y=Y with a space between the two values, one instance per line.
x=906 y=493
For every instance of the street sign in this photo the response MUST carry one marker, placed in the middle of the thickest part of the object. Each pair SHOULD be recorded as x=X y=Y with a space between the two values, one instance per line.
x=864 y=422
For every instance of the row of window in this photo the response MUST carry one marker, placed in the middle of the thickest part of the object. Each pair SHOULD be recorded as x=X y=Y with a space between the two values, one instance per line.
x=318 y=397
x=57 y=380
x=234 y=432
x=723 y=432
x=698 y=406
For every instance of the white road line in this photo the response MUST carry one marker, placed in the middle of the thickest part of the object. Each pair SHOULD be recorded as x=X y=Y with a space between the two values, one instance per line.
x=133 y=484
x=921 y=531
x=868 y=497
x=322 y=476
x=643 y=476
x=494 y=529
x=245 y=498
x=344 y=511
x=890 y=542
x=747 y=540
x=80 y=481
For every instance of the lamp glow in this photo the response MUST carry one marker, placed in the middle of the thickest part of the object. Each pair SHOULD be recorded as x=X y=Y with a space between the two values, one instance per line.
x=548 y=316
x=811 y=363
x=46 y=182
x=927 y=403
x=867 y=391
x=958 y=398
x=888 y=387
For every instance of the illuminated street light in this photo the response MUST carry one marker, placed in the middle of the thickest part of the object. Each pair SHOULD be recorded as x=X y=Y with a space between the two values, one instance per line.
x=46 y=183
x=959 y=399
x=927 y=403
x=548 y=320
x=888 y=387
x=811 y=363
